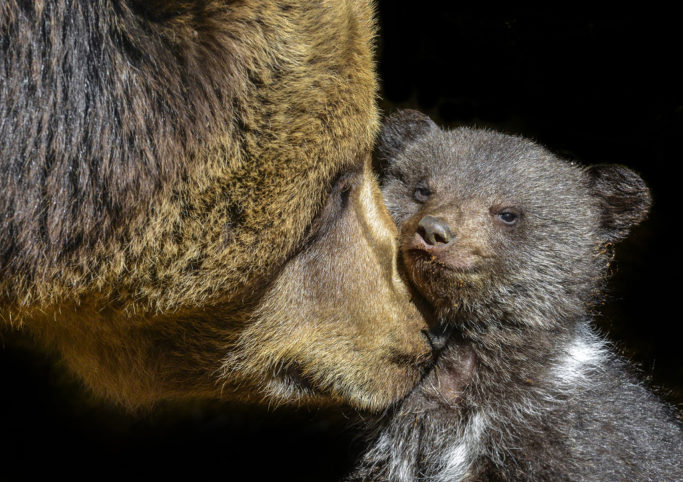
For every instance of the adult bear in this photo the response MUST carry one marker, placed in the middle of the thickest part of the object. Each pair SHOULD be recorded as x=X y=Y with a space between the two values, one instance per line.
x=187 y=205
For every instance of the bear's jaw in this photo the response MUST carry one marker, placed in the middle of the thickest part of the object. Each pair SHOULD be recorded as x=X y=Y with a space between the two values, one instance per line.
x=315 y=372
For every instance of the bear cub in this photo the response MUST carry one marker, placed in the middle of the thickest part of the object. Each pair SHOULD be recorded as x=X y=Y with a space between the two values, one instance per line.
x=510 y=246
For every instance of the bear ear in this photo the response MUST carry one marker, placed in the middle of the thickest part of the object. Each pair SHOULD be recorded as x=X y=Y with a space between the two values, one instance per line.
x=398 y=131
x=623 y=198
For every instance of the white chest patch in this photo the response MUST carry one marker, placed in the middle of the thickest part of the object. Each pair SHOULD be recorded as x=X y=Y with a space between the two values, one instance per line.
x=582 y=354
x=457 y=460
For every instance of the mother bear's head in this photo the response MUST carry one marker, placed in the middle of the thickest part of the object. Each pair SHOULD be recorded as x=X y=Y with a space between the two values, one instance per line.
x=189 y=208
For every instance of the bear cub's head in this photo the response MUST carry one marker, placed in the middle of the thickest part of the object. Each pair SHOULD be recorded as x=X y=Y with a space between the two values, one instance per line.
x=494 y=225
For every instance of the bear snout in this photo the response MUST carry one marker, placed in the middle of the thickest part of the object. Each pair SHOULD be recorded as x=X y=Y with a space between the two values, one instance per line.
x=434 y=231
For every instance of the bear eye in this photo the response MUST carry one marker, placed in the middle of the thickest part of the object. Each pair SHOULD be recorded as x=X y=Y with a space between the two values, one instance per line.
x=507 y=217
x=422 y=194
x=343 y=186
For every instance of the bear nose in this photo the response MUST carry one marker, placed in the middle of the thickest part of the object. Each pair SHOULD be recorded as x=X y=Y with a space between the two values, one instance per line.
x=434 y=231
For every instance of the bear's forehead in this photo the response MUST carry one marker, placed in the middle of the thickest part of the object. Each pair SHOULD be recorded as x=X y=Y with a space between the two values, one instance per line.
x=485 y=164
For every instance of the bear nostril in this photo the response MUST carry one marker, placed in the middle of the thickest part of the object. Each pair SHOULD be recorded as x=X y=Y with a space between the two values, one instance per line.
x=434 y=231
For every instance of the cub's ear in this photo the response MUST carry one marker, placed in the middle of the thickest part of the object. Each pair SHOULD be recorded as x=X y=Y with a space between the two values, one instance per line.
x=399 y=130
x=623 y=198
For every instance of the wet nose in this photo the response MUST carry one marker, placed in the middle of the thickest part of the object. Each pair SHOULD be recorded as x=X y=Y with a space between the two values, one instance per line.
x=434 y=231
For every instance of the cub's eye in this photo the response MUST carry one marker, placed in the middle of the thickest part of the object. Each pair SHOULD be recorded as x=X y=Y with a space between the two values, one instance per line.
x=508 y=217
x=422 y=194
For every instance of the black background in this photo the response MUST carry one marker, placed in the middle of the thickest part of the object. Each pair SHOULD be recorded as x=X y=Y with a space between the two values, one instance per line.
x=592 y=86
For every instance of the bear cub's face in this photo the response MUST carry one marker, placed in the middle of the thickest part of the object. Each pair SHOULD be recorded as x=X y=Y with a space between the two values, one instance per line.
x=493 y=222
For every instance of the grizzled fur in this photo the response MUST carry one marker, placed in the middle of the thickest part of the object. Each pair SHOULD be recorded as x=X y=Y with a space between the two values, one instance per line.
x=524 y=388
x=186 y=204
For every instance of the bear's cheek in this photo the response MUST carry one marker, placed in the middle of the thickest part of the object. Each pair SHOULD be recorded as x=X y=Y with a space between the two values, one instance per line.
x=344 y=329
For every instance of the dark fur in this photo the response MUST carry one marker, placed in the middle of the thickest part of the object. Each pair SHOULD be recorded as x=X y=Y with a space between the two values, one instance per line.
x=113 y=84
x=524 y=389
x=187 y=200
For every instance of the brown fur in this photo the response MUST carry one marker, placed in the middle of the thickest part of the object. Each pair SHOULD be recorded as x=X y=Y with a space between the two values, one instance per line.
x=168 y=225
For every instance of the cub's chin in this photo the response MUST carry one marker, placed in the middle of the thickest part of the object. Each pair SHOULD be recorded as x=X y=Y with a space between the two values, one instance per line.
x=446 y=286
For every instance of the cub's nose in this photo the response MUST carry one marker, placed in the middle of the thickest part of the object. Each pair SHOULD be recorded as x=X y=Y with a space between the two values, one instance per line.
x=434 y=231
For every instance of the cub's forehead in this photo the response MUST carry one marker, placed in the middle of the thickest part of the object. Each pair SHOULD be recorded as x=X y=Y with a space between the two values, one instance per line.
x=487 y=163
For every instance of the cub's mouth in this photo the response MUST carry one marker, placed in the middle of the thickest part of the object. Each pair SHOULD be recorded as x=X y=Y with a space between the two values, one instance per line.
x=440 y=264
x=443 y=282
x=450 y=256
